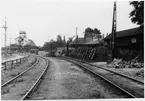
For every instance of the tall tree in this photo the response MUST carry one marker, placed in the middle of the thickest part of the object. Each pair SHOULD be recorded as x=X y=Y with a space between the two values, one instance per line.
x=20 y=41
x=137 y=15
x=59 y=38
x=89 y=30
x=98 y=33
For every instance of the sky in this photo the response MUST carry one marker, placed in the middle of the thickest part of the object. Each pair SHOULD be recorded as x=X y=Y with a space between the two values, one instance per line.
x=43 y=20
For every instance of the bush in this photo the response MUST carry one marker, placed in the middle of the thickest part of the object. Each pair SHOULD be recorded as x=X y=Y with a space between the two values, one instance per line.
x=101 y=54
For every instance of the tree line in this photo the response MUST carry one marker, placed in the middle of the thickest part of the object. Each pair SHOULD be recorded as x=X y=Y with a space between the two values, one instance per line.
x=54 y=44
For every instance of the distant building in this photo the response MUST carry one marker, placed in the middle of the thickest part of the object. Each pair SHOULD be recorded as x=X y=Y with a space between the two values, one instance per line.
x=60 y=50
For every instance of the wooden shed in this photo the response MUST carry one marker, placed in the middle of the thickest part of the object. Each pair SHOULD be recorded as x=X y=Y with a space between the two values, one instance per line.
x=130 y=38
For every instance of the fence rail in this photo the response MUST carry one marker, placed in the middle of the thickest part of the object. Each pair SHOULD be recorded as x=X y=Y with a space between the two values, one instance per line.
x=13 y=61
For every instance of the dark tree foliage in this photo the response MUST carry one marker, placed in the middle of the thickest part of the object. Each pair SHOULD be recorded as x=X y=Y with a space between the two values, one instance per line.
x=27 y=48
x=46 y=46
x=137 y=15
x=59 y=38
x=89 y=30
x=53 y=44
x=96 y=31
x=13 y=45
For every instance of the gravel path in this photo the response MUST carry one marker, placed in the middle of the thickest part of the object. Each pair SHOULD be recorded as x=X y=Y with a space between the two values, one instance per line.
x=67 y=81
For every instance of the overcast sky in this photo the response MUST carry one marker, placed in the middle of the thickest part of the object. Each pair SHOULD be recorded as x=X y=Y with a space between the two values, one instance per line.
x=45 y=19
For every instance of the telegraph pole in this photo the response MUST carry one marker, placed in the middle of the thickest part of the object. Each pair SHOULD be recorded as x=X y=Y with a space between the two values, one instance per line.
x=76 y=35
x=113 y=43
x=5 y=28
x=76 y=31
x=5 y=35
x=10 y=47
x=10 y=41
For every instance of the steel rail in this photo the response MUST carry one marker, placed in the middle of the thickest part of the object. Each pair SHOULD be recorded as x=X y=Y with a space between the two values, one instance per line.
x=86 y=67
x=123 y=75
x=11 y=80
x=37 y=82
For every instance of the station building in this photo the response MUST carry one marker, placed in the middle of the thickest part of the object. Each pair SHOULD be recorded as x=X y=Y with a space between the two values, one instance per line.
x=130 y=38
x=129 y=43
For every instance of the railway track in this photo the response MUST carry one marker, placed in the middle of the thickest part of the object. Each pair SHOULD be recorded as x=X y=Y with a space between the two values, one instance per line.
x=133 y=79
x=112 y=77
x=26 y=93
x=19 y=75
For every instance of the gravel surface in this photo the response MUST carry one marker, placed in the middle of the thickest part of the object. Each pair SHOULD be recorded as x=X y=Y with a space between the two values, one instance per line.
x=127 y=71
x=129 y=85
x=64 y=80
x=20 y=86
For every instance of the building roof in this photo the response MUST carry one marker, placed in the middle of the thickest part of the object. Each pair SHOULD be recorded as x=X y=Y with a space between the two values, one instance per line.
x=22 y=32
x=128 y=32
x=81 y=41
x=78 y=41
x=94 y=41
x=61 y=48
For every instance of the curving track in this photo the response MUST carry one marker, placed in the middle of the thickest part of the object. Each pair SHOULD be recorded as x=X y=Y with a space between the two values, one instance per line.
x=134 y=88
x=27 y=95
x=19 y=75
x=64 y=80
x=23 y=84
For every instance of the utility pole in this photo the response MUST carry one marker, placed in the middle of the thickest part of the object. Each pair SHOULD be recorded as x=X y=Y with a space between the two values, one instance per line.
x=10 y=47
x=5 y=28
x=76 y=31
x=10 y=41
x=113 y=43
x=76 y=35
